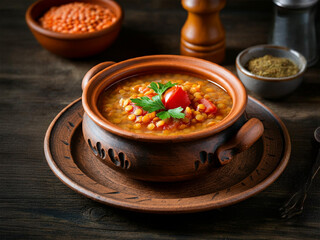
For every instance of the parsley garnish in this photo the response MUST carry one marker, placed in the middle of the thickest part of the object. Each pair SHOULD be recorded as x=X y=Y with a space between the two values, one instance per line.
x=149 y=105
x=155 y=104
x=161 y=88
x=175 y=113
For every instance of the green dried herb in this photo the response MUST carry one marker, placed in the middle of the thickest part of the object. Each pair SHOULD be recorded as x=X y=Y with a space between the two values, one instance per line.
x=270 y=66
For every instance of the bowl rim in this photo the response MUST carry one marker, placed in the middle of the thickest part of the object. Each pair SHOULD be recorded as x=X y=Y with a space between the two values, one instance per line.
x=33 y=23
x=244 y=71
x=99 y=82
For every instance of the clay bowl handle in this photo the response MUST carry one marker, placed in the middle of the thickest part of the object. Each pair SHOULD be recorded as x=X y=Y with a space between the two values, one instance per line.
x=93 y=71
x=248 y=134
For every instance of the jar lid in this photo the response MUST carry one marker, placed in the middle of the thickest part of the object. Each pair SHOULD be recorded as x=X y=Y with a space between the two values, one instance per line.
x=295 y=3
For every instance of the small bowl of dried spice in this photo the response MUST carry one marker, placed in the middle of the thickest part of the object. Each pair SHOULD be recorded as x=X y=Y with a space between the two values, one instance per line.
x=75 y=29
x=270 y=71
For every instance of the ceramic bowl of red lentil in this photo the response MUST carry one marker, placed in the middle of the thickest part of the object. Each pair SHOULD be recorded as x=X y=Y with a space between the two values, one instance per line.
x=75 y=29
x=165 y=117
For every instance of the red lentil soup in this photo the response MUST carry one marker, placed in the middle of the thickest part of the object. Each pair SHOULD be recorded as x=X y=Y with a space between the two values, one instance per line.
x=202 y=103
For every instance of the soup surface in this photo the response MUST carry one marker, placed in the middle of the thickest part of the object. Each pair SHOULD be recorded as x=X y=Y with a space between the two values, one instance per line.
x=165 y=104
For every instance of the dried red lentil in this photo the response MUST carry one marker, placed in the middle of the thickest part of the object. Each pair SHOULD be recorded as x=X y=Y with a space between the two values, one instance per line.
x=77 y=17
x=116 y=106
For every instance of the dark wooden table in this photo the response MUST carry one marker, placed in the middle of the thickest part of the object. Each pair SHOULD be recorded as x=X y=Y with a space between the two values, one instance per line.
x=35 y=85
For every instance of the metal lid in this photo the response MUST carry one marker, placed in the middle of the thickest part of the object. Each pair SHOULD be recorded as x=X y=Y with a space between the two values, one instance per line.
x=295 y=3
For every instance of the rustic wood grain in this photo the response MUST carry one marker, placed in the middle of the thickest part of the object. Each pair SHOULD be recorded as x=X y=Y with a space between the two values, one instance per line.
x=35 y=85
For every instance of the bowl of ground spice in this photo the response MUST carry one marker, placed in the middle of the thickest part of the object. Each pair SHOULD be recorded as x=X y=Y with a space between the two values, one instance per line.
x=270 y=71
x=75 y=29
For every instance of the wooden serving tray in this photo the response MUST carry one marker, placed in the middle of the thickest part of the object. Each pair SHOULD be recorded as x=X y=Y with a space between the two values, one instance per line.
x=249 y=173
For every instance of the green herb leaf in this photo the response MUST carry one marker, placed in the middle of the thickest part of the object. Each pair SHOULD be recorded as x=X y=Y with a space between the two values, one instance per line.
x=176 y=112
x=163 y=115
x=161 y=88
x=149 y=105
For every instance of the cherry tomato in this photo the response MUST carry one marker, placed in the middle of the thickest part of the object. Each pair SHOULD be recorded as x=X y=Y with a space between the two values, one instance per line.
x=210 y=107
x=176 y=97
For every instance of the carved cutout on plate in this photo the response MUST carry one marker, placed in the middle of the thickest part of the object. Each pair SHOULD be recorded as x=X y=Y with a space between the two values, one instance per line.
x=214 y=195
x=65 y=142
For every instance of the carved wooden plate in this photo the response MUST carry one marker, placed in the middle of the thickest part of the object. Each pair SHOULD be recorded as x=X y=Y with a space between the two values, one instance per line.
x=249 y=173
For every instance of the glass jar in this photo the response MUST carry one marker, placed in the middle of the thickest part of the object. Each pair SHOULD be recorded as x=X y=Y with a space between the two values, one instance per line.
x=294 y=27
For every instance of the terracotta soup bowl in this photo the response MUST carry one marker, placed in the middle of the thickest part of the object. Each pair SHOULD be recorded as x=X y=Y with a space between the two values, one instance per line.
x=166 y=157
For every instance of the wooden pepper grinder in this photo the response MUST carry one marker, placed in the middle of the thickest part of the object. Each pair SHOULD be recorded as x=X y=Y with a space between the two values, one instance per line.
x=203 y=35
